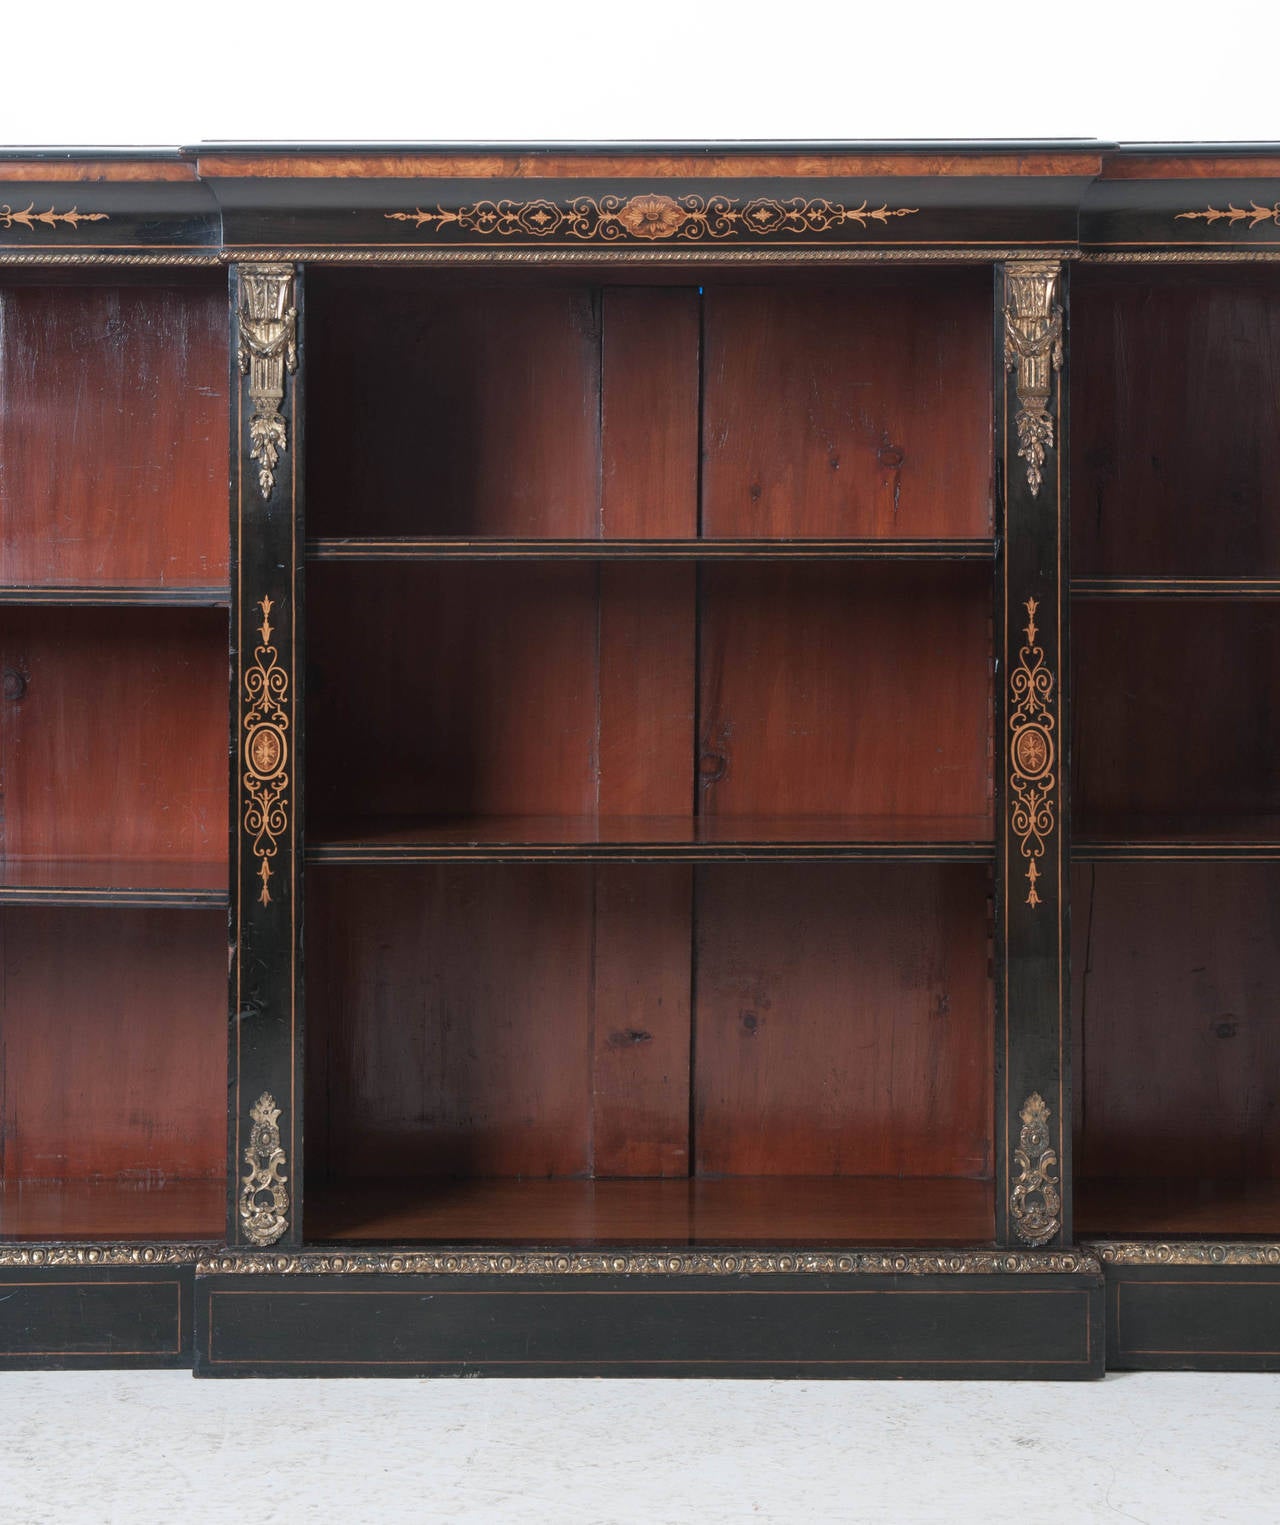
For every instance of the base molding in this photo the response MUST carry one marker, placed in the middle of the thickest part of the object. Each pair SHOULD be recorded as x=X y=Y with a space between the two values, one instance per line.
x=312 y=1317
x=60 y=1314
x=1202 y=1305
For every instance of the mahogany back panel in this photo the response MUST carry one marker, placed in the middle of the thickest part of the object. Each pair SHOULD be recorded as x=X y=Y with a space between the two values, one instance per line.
x=845 y=690
x=113 y=434
x=114 y=734
x=501 y=689
x=483 y=1020
x=844 y=1020
x=858 y=409
x=1174 y=447
x=114 y=1055
x=549 y=1020
x=1174 y=973
x=1171 y=715
x=513 y=410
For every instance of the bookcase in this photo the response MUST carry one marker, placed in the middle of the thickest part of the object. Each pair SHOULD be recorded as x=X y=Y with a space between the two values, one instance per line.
x=711 y=807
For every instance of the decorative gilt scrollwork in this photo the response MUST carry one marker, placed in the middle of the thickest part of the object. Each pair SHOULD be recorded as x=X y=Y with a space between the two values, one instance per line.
x=266 y=751
x=1254 y=214
x=1035 y=1204
x=28 y=217
x=268 y=348
x=1032 y=779
x=264 y=1195
x=654 y=1263
x=1033 y=346
x=654 y=215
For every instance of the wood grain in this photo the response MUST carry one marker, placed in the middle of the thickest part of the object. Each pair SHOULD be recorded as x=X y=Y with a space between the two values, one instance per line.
x=777 y=1210
x=1178 y=1049
x=498 y=689
x=624 y=165
x=449 y=1021
x=1170 y=716
x=844 y=1021
x=830 y=690
x=115 y=1047
x=641 y=1020
x=104 y=1211
x=649 y=412
x=1174 y=450
x=452 y=411
x=647 y=689
x=863 y=409
x=114 y=736
x=113 y=436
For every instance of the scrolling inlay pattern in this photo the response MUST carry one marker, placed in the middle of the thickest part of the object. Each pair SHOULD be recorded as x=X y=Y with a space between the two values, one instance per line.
x=652 y=216
x=1032 y=780
x=1035 y=1203
x=1033 y=348
x=266 y=751
x=268 y=348
x=264 y=1195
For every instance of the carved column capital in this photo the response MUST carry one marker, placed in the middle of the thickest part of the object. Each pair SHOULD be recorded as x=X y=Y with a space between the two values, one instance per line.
x=267 y=350
x=1033 y=347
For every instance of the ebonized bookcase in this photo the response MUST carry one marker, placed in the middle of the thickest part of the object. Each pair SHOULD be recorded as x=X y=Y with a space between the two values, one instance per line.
x=743 y=819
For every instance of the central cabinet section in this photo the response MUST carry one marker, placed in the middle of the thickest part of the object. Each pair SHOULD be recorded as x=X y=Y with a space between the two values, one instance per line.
x=649 y=807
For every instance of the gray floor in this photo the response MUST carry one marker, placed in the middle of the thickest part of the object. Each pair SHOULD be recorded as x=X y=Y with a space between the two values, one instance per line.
x=157 y=1446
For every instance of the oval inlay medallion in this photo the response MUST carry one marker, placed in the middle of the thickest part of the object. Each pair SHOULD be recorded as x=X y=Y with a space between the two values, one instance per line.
x=1032 y=750
x=264 y=750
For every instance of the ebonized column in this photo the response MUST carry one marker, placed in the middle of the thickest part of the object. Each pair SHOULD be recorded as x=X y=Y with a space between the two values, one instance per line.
x=1033 y=1105
x=265 y=1112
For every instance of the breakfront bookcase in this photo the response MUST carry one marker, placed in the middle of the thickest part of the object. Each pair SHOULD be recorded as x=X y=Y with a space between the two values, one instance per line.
x=724 y=763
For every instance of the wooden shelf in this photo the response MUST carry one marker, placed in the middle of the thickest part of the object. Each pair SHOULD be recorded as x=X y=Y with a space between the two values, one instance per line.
x=1175 y=587
x=1205 y=838
x=89 y=882
x=107 y=1211
x=773 y=1210
x=1177 y=1207
x=120 y=595
x=528 y=839
x=407 y=548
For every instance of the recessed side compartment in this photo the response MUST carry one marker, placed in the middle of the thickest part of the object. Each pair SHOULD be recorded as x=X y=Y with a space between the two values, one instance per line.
x=1174 y=449
x=112 y=1089
x=1175 y=738
x=114 y=747
x=113 y=436
x=1178 y=1049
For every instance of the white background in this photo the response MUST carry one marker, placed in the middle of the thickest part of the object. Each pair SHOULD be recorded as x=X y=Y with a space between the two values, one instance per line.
x=153 y=1447
x=176 y=73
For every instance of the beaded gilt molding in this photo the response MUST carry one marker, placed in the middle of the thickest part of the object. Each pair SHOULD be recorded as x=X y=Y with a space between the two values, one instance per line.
x=1187 y=1253
x=652 y=216
x=59 y=1256
x=656 y=1263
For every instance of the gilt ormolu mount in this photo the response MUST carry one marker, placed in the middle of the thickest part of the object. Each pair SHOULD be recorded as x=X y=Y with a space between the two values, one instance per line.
x=722 y=645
